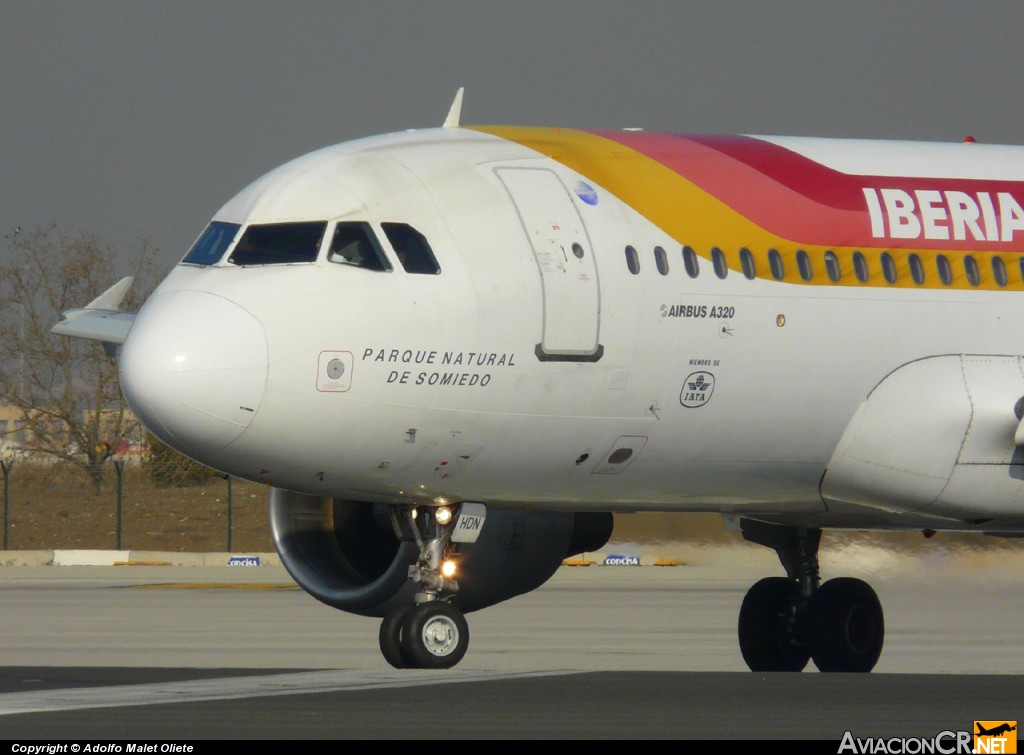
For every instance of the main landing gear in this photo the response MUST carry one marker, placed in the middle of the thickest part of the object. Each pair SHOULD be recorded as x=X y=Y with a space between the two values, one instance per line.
x=786 y=621
x=432 y=633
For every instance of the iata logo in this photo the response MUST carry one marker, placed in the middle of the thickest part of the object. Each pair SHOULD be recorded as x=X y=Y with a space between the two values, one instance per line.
x=697 y=389
x=995 y=737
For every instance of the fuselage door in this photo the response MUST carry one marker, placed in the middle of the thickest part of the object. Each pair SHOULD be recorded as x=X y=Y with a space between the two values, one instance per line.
x=565 y=260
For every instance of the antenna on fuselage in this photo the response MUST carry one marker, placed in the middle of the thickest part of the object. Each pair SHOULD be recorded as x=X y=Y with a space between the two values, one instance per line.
x=455 y=111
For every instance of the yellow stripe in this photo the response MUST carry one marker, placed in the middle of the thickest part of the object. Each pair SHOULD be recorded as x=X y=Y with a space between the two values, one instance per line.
x=658 y=193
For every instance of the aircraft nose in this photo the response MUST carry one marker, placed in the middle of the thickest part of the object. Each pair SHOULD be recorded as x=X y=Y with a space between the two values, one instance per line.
x=193 y=369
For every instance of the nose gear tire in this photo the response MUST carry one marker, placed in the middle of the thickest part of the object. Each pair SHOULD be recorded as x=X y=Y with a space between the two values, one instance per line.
x=391 y=630
x=435 y=635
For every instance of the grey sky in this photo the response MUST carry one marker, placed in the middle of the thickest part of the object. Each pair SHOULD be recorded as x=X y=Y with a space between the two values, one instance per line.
x=138 y=120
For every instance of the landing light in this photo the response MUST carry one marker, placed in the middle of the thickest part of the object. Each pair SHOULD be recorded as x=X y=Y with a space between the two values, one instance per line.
x=448 y=569
x=443 y=515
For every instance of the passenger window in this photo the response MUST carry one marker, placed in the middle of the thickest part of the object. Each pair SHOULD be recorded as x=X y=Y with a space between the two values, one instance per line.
x=356 y=244
x=888 y=267
x=412 y=249
x=832 y=267
x=693 y=267
x=945 y=271
x=971 y=268
x=661 y=260
x=775 y=263
x=279 y=244
x=212 y=244
x=999 y=271
x=803 y=264
x=718 y=261
x=632 y=260
x=748 y=264
x=916 y=269
x=860 y=267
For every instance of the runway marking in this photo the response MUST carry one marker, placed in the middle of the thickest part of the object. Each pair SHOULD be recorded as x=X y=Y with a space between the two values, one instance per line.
x=234 y=688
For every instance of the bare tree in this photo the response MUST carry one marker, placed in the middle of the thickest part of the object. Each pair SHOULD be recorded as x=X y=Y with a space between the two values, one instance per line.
x=169 y=469
x=64 y=392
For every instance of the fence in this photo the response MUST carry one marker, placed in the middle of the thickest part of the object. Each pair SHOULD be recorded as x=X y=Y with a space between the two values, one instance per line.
x=48 y=506
x=55 y=505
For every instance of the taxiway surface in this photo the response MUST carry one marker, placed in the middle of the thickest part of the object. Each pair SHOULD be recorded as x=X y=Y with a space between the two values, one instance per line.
x=599 y=652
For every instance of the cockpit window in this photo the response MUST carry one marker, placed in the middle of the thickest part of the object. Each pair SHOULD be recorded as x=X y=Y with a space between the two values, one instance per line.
x=211 y=245
x=412 y=249
x=356 y=244
x=279 y=244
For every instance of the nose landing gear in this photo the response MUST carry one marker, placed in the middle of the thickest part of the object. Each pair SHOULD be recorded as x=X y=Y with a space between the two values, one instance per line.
x=433 y=633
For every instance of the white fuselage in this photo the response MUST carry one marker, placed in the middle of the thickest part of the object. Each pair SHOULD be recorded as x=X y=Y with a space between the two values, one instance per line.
x=664 y=391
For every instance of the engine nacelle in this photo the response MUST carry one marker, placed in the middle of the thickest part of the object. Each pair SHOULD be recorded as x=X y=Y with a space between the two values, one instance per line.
x=346 y=554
